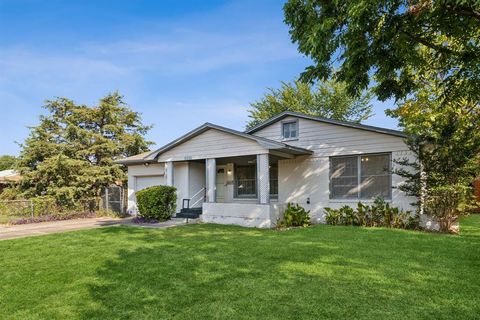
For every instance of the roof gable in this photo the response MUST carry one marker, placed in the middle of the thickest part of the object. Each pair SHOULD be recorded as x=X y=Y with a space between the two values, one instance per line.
x=220 y=144
x=285 y=114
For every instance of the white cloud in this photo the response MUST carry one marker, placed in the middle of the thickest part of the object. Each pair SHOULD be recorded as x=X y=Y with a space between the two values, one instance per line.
x=190 y=51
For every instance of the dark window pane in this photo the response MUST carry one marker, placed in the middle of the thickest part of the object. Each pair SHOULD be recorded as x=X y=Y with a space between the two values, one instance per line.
x=274 y=180
x=289 y=130
x=245 y=181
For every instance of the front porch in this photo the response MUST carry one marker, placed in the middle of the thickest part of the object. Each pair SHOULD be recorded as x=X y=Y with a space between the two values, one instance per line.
x=239 y=190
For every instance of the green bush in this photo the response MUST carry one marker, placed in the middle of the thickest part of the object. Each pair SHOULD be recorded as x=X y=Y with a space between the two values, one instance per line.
x=44 y=205
x=295 y=216
x=157 y=203
x=345 y=215
x=379 y=214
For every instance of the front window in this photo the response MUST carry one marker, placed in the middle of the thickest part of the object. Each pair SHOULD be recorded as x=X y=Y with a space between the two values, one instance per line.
x=290 y=130
x=245 y=181
x=360 y=177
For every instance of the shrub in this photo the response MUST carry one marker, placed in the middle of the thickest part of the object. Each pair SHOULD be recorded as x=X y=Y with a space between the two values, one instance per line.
x=379 y=214
x=9 y=193
x=448 y=203
x=44 y=205
x=157 y=203
x=295 y=216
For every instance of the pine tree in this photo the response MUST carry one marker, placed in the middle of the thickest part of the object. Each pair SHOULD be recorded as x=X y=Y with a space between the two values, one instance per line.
x=70 y=154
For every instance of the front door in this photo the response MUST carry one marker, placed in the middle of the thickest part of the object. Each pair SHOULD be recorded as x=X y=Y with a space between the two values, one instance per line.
x=221 y=183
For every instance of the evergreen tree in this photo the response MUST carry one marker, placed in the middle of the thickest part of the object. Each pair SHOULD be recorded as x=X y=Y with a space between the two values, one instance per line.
x=70 y=154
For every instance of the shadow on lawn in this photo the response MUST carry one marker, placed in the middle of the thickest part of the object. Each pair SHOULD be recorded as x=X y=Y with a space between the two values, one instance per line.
x=207 y=271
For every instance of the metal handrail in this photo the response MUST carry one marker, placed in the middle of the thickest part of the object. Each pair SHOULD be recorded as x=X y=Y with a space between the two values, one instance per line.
x=196 y=194
x=193 y=197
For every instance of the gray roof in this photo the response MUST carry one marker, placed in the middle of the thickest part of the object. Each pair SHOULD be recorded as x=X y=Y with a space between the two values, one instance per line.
x=266 y=143
x=136 y=159
x=285 y=114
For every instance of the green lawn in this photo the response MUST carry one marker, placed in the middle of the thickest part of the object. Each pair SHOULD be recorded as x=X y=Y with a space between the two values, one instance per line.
x=209 y=271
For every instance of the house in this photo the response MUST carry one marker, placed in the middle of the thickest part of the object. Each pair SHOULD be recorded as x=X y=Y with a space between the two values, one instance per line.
x=247 y=178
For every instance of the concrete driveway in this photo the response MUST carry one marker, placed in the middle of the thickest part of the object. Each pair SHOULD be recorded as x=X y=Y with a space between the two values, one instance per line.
x=38 y=229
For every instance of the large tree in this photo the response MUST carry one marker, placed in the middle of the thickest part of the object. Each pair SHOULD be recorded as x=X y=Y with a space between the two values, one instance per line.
x=325 y=99
x=379 y=42
x=426 y=55
x=70 y=154
x=445 y=138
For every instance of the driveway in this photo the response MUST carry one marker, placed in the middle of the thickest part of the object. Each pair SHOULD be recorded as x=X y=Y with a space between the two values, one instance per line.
x=38 y=229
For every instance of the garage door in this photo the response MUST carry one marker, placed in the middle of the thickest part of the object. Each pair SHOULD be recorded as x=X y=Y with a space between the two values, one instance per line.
x=142 y=182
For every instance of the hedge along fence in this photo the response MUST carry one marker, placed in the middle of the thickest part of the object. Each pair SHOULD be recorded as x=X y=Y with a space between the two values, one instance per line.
x=157 y=203
x=43 y=208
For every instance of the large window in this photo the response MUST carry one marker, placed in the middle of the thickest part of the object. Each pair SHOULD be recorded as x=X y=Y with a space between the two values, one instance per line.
x=360 y=177
x=290 y=130
x=246 y=181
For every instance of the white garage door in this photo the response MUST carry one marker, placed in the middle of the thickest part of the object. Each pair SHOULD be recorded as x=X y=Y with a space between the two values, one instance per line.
x=142 y=182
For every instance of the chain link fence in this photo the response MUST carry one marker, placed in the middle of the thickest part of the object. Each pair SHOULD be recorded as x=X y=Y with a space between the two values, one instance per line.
x=113 y=199
x=12 y=210
x=111 y=202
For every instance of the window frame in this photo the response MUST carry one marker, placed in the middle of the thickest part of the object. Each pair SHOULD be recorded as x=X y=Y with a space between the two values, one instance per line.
x=235 y=181
x=283 y=123
x=359 y=175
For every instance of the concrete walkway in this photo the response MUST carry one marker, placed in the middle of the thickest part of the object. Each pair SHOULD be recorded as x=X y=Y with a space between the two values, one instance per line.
x=38 y=229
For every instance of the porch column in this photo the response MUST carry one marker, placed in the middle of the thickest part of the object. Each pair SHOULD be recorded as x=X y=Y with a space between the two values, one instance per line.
x=211 y=170
x=263 y=178
x=169 y=173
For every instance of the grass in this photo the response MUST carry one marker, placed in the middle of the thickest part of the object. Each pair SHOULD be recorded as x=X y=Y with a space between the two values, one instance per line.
x=209 y=271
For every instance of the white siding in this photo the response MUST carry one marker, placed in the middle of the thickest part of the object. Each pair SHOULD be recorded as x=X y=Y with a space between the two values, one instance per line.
x=308 y=177
x=181 y=181
x=196 y=181
x=329 y=140
x=212 y=144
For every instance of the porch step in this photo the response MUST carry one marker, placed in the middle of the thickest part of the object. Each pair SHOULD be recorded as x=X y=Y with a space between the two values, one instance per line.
x=190 y=213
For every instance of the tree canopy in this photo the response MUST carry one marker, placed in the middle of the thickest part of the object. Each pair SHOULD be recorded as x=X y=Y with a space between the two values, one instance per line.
x=7 y=162
x=70 y=154
x=325 y=99
x=426 y=55
x=380 y=41
x=445 y=138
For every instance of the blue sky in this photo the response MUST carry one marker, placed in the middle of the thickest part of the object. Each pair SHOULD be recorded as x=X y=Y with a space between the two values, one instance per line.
x=179 y=63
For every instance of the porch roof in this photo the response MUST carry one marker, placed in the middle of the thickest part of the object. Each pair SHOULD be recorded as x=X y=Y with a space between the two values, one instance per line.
x=263 y=142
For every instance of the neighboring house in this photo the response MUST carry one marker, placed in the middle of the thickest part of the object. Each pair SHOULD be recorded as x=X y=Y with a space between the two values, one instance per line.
x=8 y=177
x=247 y=178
